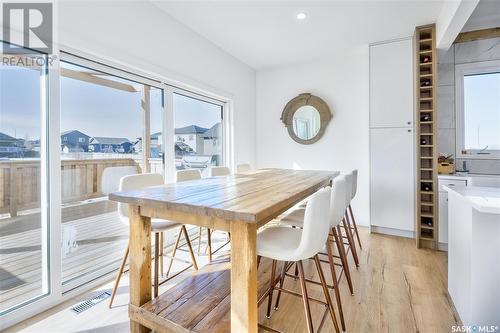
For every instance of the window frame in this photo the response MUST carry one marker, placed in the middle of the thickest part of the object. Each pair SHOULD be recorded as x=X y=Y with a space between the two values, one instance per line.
x=462 y=70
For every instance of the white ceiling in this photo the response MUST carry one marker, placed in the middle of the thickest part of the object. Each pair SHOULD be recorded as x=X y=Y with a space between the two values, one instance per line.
x=266 y=34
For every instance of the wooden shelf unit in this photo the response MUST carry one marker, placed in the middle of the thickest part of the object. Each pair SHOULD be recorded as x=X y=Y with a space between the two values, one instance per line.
x=426 y=103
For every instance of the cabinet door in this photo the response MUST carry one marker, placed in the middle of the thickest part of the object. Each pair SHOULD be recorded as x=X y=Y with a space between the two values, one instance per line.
x=391 y=84
x=443 y=217
x=392 y=179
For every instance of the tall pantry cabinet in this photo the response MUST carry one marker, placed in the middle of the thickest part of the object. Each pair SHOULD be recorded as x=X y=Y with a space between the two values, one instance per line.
x=392 y=138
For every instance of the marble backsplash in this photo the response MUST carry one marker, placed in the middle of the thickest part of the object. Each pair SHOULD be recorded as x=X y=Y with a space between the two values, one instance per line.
x=482 y=50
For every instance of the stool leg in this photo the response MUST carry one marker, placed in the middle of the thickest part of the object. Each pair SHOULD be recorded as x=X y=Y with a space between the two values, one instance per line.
x=118 y=276
x=282 y=280
x=350 y=239
x=327 y=294
x=199 y=240
x=161 y=253
x=355 y=227
x=335 y=284
x=188 y=242
x=305 y=297
x=343 y=257
x=209 y=245
x=157 y=250
x=271 y=289
x=176 y=245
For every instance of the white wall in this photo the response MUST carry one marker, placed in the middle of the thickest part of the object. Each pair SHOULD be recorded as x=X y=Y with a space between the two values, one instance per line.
x=138 y=34
x=343 y=84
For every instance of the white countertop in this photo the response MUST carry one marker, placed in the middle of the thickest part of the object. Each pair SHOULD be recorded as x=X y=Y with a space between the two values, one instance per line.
x=483 y=199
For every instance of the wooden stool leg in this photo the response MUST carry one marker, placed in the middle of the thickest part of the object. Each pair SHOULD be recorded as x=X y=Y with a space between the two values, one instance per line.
x=343 y=257
x=199 y=240
x=118 y=276
x=271 y=289
x=355 y=227
x=157 y=251
x=188 y=242
x=305 y=297
x=161 y=253
x=350 y=239
x=176 y=245
x=282 y=281
x=209 y=247
x=335 y=284
x=259 y=258
x=326 y=292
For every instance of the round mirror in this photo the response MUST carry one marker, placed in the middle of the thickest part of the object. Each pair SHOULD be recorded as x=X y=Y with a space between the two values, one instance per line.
x=305 y=118
x=306 y=122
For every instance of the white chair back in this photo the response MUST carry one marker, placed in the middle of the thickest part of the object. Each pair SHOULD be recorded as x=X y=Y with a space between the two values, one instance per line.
x=135 y=182
x=338 y=200
x=354 y=182
x=243 y=167
x=110 y=178
x=316 y=225
x=220 y=171
x=348 y=190
x=188 y=174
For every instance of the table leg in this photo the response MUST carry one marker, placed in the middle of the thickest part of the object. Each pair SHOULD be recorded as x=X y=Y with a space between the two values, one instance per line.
x=244 y=316
x=139 y=262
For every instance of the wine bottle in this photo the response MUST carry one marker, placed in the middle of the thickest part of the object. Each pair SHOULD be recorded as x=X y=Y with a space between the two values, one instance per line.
x=423 y=141
x=426 y=83
x=426 y=59
x=427 y=221
x=426 y=187
x=425 y=117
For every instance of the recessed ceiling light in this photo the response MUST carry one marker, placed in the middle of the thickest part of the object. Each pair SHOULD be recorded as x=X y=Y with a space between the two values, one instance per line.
x=301 y=16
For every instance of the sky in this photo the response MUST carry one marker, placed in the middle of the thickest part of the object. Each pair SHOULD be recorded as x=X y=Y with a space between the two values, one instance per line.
x=93 y=109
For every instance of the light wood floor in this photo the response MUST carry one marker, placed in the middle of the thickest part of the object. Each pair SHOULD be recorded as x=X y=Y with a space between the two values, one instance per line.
x=397 y=289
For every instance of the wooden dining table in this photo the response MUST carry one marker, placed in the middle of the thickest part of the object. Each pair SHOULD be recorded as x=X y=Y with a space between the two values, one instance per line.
x=238 y=204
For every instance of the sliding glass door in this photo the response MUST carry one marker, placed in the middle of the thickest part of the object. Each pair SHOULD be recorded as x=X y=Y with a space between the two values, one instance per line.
x=24 y=227
x=199 y=132
x=104 y=115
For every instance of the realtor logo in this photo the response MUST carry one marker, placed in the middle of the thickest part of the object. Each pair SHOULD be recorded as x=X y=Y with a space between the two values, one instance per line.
x=27 y=27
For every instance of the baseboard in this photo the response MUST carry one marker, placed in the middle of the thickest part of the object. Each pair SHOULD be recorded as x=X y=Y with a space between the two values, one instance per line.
x=443 y=247
x=392 y=232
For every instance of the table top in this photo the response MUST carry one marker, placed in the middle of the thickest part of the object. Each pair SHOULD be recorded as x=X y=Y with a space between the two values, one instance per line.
x=483 y=199
x=250 y=196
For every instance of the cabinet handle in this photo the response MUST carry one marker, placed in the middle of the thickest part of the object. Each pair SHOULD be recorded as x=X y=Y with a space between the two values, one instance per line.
x=409 y=131
x=409 y=123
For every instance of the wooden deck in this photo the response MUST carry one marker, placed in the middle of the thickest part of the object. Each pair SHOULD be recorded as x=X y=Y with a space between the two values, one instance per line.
x=101 y=238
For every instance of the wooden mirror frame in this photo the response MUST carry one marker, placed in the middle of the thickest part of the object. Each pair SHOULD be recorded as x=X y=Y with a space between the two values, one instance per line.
x=301 y=100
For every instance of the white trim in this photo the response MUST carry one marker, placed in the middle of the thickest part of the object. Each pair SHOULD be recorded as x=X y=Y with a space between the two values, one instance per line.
x=462 y=70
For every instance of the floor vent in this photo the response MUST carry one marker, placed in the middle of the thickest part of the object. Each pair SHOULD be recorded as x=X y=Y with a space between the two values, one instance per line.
x=85 y=305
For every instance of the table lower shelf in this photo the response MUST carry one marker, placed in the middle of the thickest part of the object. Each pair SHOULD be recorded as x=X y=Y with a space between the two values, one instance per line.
x=200 y=303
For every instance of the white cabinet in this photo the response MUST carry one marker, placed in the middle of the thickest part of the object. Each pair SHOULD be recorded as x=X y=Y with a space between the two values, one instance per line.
x=391 y=84
x=392 y=178
x=443 y=217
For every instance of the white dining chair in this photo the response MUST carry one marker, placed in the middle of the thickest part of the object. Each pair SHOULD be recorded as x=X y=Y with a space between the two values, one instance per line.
x=243 y=168
x=348 y=228
x=295 y=219
x=353 y=194
x=193 y=174
x=219 y=171
x=292 y=245
x=138 y=181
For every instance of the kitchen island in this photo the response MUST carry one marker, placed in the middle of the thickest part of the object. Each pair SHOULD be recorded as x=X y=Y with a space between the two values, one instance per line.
x=474 y=253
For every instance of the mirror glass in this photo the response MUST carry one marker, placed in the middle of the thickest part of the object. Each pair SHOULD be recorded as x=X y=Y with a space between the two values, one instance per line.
x=306 y=122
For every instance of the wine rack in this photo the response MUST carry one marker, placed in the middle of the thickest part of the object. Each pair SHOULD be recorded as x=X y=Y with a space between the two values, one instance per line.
x=426 y=102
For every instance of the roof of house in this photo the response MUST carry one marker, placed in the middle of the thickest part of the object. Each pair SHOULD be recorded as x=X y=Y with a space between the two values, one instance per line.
x=191 y=129
x=214 y=131
x=71 y=131
x=5 y=137
x=108 y=141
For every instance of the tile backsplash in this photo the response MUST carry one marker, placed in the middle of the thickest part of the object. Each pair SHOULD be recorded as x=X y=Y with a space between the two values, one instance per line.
x=475 y=51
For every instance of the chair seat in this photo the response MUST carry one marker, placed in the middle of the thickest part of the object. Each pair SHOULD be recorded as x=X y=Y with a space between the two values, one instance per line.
x=158 y=225
x=279 y=243
x=295 y=218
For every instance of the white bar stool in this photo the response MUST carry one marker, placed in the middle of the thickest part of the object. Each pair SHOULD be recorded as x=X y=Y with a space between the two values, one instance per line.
x=292 y=245
x=219 y=171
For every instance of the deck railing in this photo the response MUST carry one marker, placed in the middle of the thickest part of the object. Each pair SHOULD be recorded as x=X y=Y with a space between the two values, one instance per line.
x=20 y=184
